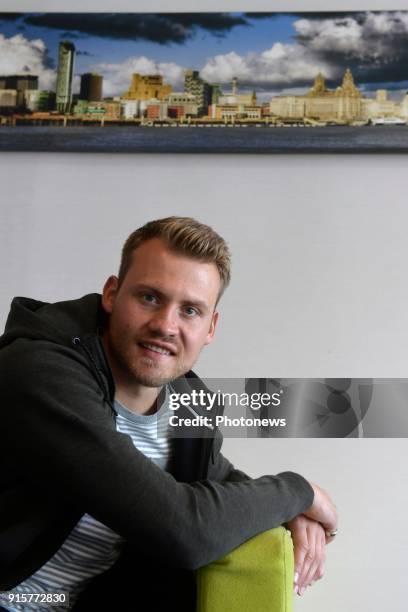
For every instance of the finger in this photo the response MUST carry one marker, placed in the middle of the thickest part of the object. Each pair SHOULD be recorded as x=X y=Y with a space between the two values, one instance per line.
x=310 y=562
x=320 y=570
x=309 y=558
x=300 y=551
x=316 y=572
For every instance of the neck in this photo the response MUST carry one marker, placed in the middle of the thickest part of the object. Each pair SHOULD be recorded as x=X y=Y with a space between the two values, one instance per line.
x=139 y=399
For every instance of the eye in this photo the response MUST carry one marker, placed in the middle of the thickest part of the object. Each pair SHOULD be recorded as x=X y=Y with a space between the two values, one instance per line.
x=148 y=298
x=191 y=311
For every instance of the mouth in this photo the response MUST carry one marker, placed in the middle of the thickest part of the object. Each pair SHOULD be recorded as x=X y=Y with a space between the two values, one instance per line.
x=157 y=348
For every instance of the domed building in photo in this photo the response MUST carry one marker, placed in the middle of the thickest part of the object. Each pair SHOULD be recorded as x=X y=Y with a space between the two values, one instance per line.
x=345 y=104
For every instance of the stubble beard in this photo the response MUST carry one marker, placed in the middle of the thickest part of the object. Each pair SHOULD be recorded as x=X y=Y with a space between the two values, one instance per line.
x=143 y=370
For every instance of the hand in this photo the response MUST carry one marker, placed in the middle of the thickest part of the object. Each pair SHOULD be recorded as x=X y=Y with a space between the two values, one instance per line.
x=309 y=541
x=323 y=511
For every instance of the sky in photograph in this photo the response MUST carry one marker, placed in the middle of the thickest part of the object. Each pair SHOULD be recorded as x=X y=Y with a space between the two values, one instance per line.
x=271 y=53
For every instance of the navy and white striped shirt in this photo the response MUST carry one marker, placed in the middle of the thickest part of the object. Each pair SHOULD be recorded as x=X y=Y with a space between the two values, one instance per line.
x=91 y=548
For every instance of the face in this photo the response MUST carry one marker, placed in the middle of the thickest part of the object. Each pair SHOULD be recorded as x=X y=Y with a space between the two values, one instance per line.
x=161 y=316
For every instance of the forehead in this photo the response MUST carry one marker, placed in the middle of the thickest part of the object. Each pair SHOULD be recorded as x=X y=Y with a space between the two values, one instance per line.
x=155 y=264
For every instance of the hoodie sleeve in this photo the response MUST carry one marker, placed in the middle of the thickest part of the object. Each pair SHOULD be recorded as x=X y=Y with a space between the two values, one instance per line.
x=222 y=470
x=60 y=432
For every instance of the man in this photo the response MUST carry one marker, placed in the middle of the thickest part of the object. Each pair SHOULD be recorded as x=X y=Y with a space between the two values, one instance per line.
x=93 y=502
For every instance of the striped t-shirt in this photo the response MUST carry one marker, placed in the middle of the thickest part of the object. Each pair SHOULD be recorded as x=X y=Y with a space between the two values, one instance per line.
x=91 y=548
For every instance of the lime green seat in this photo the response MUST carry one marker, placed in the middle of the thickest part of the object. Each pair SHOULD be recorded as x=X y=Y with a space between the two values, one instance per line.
x=255 y=577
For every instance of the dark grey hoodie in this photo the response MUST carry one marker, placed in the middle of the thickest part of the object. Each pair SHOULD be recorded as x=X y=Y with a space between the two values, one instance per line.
x=61 y=457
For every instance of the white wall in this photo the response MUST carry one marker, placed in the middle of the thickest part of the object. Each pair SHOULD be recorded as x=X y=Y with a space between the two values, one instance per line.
x=366 y=565
x=319 y=289
x=319 y=248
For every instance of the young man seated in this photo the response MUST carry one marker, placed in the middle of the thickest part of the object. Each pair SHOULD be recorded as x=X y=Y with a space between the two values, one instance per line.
x=95 y=503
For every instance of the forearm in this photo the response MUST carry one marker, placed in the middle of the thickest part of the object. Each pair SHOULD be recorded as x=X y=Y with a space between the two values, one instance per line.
x=229 y=513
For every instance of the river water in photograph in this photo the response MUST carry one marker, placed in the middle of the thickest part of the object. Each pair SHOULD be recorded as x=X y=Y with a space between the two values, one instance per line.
x=135 y=139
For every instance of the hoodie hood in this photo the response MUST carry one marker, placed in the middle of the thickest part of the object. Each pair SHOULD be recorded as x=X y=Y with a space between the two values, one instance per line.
x=58 y=322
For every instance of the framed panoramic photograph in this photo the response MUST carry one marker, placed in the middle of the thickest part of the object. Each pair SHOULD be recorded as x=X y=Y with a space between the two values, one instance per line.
x=236 y=82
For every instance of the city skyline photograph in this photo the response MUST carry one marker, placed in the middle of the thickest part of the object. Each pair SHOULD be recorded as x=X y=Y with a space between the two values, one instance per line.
x=343 y=73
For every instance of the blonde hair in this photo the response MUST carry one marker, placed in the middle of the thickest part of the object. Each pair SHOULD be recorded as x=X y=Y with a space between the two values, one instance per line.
x=186 y=236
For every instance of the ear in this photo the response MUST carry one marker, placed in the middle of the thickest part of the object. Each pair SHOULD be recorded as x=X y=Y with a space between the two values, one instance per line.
x=109 y=293
x=213 y=325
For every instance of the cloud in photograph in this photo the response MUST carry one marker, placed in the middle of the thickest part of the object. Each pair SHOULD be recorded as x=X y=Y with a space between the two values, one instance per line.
x=18 y=55
x=373 y=45
x=283 y=65
x=118 y=76
x=162 y=28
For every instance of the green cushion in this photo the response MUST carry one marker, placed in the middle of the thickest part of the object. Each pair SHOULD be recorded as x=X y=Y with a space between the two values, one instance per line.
x=256 y=576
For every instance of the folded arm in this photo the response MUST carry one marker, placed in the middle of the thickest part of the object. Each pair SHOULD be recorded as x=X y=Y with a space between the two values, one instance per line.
x=60 y=431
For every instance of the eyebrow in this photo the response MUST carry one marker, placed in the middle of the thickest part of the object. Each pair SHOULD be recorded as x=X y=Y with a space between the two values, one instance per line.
x=190 y=301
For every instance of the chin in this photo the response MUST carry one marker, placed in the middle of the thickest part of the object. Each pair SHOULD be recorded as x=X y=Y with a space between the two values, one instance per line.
x=151 y=378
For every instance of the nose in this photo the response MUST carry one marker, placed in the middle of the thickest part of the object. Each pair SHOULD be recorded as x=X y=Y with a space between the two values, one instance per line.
x=164 y=322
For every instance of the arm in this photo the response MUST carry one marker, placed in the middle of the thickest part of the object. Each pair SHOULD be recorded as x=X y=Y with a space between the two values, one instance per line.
x=222 y=470
x=60 y=431
x=322 y=509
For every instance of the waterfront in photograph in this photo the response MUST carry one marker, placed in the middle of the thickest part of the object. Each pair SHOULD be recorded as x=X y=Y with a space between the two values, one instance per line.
x=228 y=139
x=204 y=82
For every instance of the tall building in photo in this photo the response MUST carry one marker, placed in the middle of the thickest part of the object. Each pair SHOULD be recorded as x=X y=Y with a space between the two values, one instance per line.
x=194 y=84
x=66 y=56
x=91 y=87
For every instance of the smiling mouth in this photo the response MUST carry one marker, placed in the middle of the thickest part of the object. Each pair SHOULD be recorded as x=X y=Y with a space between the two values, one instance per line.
x=156 y=349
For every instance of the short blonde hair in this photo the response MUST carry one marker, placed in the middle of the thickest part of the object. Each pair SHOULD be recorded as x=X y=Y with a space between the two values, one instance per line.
x=186 y=236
